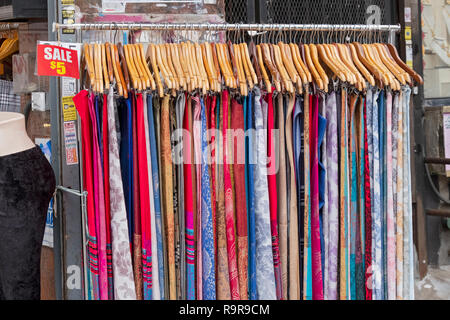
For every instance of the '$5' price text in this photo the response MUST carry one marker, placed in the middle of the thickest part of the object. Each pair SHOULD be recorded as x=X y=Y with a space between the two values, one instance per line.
x=59 y=66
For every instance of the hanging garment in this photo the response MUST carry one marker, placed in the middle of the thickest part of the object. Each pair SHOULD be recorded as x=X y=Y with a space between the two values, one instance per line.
x=189 y=207
x=252 y=162
x=400 y=199
x=124 y=288
x=229 y=205
x=315 y=219
x=332 y=171
x=353 y=194
x=159 y=263
x=105 y=143
x=282 y=199
x=237 y=125
x=344 y=200
x=82 y=101
x=383 y=192
x=99 y=204
x=126 y=160
x=323 y=186
x=166 y=161
x=198 y=163
x=211 y=138
x=144 y=197
x=223 y=278
x=265 y=277
x=408 y=242
x=180 y=108
x=390 y=223
x=307 y=253
x=376 y=202
x=208 y=255
x=137 y=235
x=175 y=193
x=367 y=204
x=156 y=293
x=294 y=254
x=360 y=234
x=273 y=195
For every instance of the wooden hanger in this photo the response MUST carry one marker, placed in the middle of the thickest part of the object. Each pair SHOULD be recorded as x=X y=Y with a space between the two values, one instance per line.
x=237 y=65
x=351 y=78
x=184 y=65
x=177 y=64
x=141 y=54
x=98 y=67
x=115 y=66
x=104 y=66
x=109 y=63
x=151 y=56
x=124 y=67
x=329 y=63
x=368 y=77
x=289 y=66
x=369 y=65
x=394 y=53
x=222 y=65
x=198 y=72
x=347 y=52
x=167 y=60
x=264 y=74
x=373 y=56
x=123 y=80
x=347 y=60
x=89 y=65
x=317 y=78
x=195 y=69
x=282 y=69
x=276 y=78
x=186 y=56
x=245 y=65
x=162 y=68
x=232 y=64
x=386 y=61
x=208 y=67
x=300 y=52
x=199 y=55
x=399 y=69
x=368 y=54
x=216 y=66
x=299 y=68
x=254 y=60
x=246 y=53
x=133 y=73
x=145 y=80
x=229 y=62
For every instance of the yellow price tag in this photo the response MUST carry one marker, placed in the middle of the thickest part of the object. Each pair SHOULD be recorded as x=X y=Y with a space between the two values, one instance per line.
x=59 y=66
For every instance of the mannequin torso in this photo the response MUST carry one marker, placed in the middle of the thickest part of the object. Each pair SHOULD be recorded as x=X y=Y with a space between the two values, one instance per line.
x=13 y=134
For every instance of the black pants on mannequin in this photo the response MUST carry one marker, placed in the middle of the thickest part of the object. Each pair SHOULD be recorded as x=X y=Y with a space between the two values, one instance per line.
x=27 y=183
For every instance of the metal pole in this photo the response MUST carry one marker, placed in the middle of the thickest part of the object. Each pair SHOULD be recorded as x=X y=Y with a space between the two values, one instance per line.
x=225 y=27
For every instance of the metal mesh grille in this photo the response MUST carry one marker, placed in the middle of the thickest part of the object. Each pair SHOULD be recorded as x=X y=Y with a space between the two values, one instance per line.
x=236 y=11
x=313 y=11
x=325 y=11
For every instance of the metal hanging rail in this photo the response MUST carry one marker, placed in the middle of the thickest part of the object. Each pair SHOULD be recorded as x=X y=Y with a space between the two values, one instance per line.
x=226 y=27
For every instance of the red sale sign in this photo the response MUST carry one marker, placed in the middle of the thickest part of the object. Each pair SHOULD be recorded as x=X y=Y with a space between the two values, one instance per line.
x=57 y=61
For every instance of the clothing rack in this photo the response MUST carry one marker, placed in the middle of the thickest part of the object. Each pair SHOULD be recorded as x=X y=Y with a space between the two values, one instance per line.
x=392 y=30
